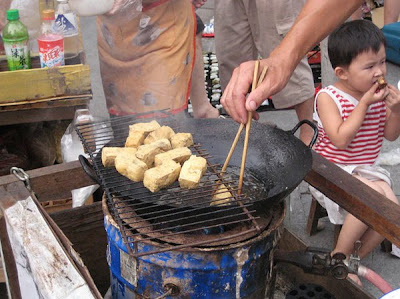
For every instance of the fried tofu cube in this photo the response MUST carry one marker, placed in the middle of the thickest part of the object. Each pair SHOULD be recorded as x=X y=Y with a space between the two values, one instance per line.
x=221 y=196
x=122 y=161
x=179 y=155
x=181 y=140
x=108 y=154
x=192 y=171
x=145 y=127
x=147 y=152
x=135 y=138
x=136 y=169
x=161 y=133
x=161 y=176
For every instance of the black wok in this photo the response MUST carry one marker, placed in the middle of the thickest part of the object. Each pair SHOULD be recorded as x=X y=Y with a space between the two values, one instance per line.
x=275 y=157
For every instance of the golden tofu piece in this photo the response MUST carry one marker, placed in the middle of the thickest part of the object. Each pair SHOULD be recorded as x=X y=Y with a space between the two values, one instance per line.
x=381 y=82
x=163 y=132
x=147 y=152
x=122 y=161
x=181 y=140
x=161 y=176
x=221 y=196
x=179 y=155
x=108 y=154
x=192 y=171
x=135 y=138
x=145 y=127
x=136 y=169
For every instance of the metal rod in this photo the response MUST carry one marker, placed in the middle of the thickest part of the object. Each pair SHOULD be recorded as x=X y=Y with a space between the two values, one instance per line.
x=191 y=245
x=148 y=234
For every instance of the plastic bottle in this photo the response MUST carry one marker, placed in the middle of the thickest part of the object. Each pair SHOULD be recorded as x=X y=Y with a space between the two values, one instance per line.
x=51 y=41
x=16 y=42
x=67 y=22
x=43 y=5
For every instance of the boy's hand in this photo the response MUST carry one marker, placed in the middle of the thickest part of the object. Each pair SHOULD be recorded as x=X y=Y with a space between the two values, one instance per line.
x=392 y=100
x=374 y=94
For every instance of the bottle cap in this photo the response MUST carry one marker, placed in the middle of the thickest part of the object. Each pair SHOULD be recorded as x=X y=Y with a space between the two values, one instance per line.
x=48 y=14
x=12 y=14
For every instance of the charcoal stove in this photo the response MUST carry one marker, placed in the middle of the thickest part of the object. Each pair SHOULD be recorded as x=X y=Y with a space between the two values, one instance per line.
x=236 y=270
x=84 y=226
x=184 y=241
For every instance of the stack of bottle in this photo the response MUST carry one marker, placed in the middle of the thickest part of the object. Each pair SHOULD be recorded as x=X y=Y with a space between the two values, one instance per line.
x=211 y=78
x=58 y=39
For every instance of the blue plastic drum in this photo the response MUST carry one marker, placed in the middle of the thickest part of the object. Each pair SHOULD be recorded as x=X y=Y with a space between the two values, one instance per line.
x=241 y=270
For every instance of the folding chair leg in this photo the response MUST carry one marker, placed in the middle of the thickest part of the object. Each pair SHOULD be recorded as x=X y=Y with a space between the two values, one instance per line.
x=316 y=212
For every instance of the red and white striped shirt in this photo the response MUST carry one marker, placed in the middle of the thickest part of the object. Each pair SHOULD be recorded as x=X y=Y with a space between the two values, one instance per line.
x=367 y=143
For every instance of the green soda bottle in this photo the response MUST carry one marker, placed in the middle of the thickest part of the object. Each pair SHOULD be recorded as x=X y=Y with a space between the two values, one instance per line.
x=16 y=39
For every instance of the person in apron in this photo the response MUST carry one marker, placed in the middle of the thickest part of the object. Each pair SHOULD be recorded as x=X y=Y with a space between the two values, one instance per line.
x=146 y=55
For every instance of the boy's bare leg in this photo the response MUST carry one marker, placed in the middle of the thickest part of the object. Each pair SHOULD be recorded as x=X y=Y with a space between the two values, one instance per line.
x=354 y=229
x=305 y=111
x=202 y=108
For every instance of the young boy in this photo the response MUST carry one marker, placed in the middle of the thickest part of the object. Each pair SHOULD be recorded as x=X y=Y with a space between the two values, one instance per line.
x=354 y=115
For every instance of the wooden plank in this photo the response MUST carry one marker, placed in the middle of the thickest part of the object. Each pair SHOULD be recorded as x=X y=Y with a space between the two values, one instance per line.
x=46 y=235
x=84 y=227
x=23 y=85
x=9 y=194
x=339 y=288
x=374 y=209
x=54 y=182
x=47 y=103
x=38 y=115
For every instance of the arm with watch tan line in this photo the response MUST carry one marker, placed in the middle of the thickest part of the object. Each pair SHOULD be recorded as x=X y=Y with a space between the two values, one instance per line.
x=315 y=21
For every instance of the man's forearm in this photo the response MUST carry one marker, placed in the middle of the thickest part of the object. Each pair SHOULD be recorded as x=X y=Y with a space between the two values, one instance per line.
x=315 y=21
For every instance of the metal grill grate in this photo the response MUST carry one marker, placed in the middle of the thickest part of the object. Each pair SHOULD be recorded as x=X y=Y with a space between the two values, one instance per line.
x=172 y=218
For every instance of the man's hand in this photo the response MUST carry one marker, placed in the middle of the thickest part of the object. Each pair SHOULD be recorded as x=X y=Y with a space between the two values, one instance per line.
x=198 y=3
x=234 y=97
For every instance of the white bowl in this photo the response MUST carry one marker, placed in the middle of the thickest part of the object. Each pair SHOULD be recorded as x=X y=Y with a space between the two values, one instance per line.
x=85 y=8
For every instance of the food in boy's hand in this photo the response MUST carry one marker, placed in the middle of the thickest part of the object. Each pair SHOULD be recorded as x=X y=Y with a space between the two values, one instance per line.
x=161 y=176
x=381 y=83
x=192 y=171
x=108 y=154
x=179 y=155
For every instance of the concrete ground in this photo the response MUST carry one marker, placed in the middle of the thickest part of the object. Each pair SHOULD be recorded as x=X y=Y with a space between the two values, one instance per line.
x=384 y=264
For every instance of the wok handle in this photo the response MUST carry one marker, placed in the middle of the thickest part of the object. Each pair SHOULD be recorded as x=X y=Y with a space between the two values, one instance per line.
x=88 y=168
x=312 y=125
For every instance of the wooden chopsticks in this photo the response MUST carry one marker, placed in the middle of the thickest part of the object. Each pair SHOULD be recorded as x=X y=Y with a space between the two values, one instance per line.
x=255 y=84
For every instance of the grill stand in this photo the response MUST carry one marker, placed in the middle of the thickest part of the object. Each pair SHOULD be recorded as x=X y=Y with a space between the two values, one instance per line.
x=86 y=223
